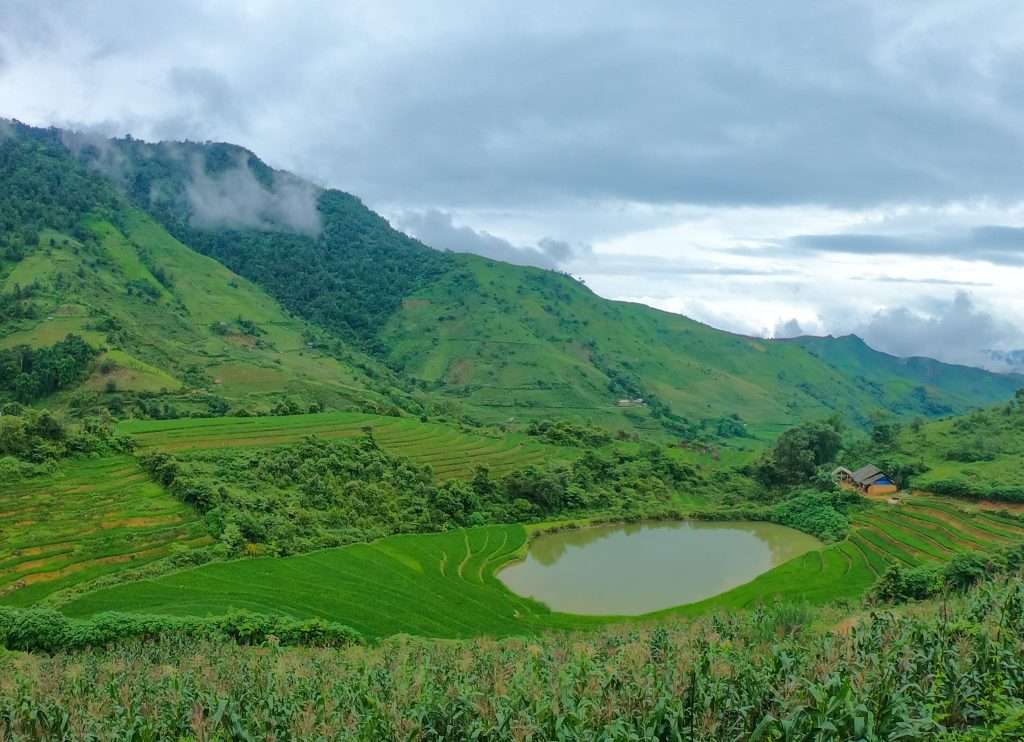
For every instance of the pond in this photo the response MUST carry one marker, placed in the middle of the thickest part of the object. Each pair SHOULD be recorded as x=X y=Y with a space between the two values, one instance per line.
x=629 y=569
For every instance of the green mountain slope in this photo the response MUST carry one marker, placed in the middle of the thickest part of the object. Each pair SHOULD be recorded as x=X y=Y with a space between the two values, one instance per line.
x=976 y=456
x=79 y=259
x=500 y=342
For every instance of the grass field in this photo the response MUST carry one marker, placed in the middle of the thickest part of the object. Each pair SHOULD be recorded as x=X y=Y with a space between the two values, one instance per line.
x=974 y=456
x=450 y=452
x=445 y=585
x=102 y=516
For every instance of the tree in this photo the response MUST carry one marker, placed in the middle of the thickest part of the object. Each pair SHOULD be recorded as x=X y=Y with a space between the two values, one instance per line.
x=798 y=453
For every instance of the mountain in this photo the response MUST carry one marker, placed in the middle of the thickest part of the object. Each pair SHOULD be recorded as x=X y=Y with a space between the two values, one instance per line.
x=172 y=327
x=495 y=341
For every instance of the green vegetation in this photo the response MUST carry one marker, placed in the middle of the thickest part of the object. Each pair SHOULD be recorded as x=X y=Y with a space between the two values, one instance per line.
x=448 y=451
x=318 y=493
x=47 y=630
x=291 y=424
x=976 y=456
x=785 y=672
x=118 y=263
x=95 y=518
x=32 y=440
x=444 y=585
x=523 y=343
x=27 y=374
x=900 y=584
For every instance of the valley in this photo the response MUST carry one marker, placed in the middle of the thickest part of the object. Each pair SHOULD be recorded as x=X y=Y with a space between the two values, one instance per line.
x=306 y=432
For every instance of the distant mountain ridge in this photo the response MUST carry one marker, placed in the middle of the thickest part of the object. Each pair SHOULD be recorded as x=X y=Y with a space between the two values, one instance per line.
x=499 y=342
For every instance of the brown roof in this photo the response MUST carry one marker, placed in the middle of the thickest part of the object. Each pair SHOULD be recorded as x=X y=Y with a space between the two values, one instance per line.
x=866 y=475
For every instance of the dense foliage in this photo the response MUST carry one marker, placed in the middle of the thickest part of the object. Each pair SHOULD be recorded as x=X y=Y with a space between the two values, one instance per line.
x=900 y=583
x=758 y=675
x=565 y=433
x=30 y=437
x=47 y=630
x=798 y=453
x=822 y=514
x=28 y=374
x=348 y=273
x=328 y=493
x=43 y=187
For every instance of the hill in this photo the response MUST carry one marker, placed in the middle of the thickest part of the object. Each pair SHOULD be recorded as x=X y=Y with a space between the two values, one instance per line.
x=445 y=585
x=391 y=321
x=173 y=332
x=510 y=342
x=976 y=456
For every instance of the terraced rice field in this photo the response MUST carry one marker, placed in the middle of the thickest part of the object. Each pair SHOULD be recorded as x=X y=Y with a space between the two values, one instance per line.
x=444 y=585
x=435 y=585
x=102 y=516
x=449 y=452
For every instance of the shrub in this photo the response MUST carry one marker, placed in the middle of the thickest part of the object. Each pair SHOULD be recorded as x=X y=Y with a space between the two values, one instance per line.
x=48 y=630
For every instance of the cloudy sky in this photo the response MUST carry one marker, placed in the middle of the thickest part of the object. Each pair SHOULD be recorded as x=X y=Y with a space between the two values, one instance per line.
x=770 y=168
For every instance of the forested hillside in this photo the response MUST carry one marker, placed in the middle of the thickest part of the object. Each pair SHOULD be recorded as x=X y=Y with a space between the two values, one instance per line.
x=101 y=239
x=105 y=308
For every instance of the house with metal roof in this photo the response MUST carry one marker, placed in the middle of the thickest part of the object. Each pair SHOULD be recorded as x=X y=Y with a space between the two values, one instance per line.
x=868 y=479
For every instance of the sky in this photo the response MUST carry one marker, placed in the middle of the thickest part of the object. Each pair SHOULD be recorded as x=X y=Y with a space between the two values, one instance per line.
x=768 y=168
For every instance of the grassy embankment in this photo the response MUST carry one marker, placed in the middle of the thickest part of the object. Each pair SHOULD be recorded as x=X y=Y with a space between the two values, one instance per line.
x=445 y=585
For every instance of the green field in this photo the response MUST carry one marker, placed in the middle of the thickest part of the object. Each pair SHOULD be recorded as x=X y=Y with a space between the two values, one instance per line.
x=102 y=516
x=976 y=456
x=449 y=452
x=444 y=585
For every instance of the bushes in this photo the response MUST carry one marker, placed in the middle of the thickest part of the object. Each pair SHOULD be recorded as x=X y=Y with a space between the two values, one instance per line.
x=564 y=433
x=821 y=514
x=28 y=374
x=975 y=491
x=47 y=630
x=900 y=584
x=40 y=437
x=317 y=494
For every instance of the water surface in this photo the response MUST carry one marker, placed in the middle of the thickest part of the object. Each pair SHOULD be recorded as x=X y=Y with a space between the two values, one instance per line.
x=628 y=569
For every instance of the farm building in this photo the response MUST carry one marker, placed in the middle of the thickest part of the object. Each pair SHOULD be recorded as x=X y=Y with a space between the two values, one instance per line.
x=868 y=479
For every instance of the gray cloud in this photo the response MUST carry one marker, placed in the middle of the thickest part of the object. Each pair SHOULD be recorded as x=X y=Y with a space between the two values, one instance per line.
x=722 y=103
x=956 y=331
x=997 y=244
x=437 y=229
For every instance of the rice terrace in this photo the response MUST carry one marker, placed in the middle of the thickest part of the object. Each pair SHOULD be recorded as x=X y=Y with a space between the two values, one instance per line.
x=660 y=378
x=447 y=585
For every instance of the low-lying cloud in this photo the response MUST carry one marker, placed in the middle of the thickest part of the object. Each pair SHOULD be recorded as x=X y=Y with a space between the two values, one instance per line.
x=235 y=199
x=438 y=230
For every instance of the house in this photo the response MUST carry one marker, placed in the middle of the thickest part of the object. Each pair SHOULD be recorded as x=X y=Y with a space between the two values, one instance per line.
x=868 y=479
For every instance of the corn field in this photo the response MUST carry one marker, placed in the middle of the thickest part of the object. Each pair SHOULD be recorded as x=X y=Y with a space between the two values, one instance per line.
x=944 y=670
